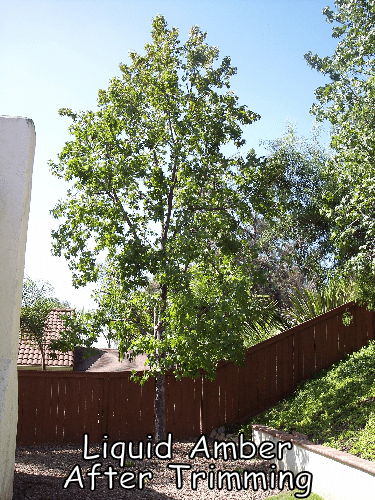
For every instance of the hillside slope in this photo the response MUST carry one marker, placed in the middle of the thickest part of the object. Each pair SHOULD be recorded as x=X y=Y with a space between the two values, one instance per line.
x=336 y=408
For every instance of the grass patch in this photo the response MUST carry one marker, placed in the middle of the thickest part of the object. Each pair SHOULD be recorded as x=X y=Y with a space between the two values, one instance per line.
x=290 y=494
x=336 y=408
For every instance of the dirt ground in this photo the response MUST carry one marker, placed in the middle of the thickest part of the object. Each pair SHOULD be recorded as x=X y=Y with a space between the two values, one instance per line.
x=41 y=472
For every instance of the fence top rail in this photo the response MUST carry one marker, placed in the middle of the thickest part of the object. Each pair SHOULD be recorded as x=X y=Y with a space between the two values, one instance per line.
x=72 y=374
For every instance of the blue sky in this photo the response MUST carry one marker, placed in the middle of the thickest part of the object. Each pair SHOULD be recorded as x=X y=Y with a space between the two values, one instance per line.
x=56 y=54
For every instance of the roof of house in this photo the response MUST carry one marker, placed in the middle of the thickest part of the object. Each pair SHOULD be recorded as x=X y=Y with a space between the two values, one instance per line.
x=29 y=355
x=106 y=360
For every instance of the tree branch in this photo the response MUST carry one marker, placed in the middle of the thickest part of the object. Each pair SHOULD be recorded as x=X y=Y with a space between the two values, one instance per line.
x=170 y=200
x=170 y=127
x=138 y=321
x=195 y=208
x=113 y=196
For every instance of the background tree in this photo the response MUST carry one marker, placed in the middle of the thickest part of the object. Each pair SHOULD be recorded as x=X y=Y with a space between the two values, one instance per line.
x=154 y=191
x=291 y=234
x=37 y=303
x=348 y=102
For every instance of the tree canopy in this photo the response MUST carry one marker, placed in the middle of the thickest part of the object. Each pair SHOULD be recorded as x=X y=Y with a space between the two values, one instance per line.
x=159 y=209
x=348 y=102
x=292 y=234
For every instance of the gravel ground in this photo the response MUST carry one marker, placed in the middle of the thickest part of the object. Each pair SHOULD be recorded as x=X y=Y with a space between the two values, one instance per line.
x=40 y=472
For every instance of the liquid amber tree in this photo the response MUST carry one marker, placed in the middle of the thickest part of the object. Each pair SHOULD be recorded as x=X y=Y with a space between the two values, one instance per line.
x=155 y=195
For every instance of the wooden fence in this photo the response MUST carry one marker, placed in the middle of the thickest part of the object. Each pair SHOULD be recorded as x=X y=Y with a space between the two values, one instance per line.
x=58 y=407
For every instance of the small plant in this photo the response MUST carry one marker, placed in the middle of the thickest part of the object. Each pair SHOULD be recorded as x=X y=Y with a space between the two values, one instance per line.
x=129 y=464
x=347 y=318
x=265 y=322
x=309 y=303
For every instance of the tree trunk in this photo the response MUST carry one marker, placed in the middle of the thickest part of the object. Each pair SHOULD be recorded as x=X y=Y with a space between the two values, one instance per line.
x=43 y=360
x=160 y=432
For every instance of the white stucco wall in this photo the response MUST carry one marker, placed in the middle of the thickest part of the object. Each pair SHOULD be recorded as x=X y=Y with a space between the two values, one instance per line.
x=17 y=146
x=336 y=475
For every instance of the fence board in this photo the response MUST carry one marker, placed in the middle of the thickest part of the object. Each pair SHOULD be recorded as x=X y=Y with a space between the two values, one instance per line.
x=41 y=404
x=360 y=328
x=309 y=354
x=183 y=406
x=26 y=412
x=225 y=398
x=278 y=370
x=265 y=368
x=262 y=381
x=305 y=341
x=132 y=396
x=211 y=398
x=147 y=413
x=116 y=419
x=286 y=365
x=271 y=369
x=247 y=387
x=350 y=332
x=193 y=409
x=36 y=401
x=233 y=405
x=44 y=408
x=296 y=359
x=170 y=402
x=72 y=428
x=50 y=432
x=344 y=340
x=331 y=344
x=60 y=410
x=320 y=338
x=84 y=416
x=254 y=377
x=175 y=403
x=97 y=405
x=131 y=407
x=369 y=328
x=241 y=392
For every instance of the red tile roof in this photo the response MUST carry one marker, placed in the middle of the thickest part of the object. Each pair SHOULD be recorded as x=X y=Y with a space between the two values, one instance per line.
x=29 y=355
